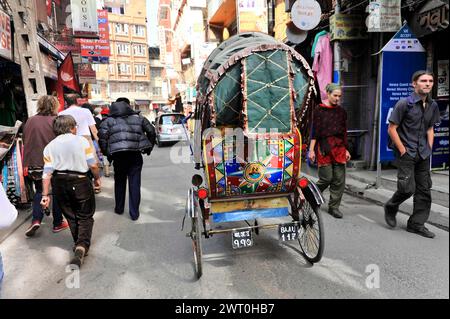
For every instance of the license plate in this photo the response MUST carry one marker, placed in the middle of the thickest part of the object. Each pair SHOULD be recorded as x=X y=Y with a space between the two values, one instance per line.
x=288 y=231
x=241 y=238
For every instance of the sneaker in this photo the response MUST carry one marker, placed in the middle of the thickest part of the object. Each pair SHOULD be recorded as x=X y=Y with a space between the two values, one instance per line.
x=33 y=228
x=389 y=217
x=335 y=213
x=78 y=256
x=423 y=231
x=62 y=226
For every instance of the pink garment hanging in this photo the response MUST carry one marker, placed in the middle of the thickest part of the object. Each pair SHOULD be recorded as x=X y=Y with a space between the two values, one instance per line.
x=323 y=64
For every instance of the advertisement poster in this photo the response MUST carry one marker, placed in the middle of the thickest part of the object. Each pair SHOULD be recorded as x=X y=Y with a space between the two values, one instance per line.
x=384 y=16
x=97 y=51
x=402 y=56
x=440 y=155
x=5 y=36
x=347 y=27
x=442 y=78
x=84 y=18
x=252 y=16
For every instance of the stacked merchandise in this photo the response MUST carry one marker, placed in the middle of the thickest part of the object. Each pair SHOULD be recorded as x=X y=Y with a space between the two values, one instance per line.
x=11 y=169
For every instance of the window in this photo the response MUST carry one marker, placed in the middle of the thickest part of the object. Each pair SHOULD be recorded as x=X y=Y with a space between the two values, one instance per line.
x=123 y=68
x=140 y=69
x=122 y=28
x=171 y=119
x=139 y=50
x=155 y=72
x=122 y=10
x=157 y=91
x=124 y=87
x=96 y=89
x=164 y=13
x=139 y=30
x=110 y=10
x=95 y=67
x=111 y=69
x=123 y=48
x=141 y=87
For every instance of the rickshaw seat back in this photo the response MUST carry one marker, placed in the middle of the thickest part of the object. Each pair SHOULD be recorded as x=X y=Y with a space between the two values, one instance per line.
x=251 y=165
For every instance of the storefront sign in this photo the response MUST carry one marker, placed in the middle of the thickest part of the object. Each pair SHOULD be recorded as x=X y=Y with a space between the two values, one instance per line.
x=306 y=14
x=440 y=155
x=86 y=74
x=49 y=66
x=384 y=16
x=5 y=36
x=432 y=17
x=402 y=56
x=97 y=51
x=347 y=27
x=84 y=18
x=201 y=53
x=252 y=16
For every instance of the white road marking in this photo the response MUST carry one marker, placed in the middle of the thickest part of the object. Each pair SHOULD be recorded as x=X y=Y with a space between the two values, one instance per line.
x=367 y=219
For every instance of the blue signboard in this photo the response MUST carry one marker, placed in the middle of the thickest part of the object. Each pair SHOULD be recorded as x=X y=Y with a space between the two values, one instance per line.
x=440 y=155
x=402 y=56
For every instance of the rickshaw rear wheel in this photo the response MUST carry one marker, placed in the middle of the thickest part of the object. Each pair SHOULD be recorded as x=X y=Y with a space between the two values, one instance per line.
x=197 y=246
x=311 y=236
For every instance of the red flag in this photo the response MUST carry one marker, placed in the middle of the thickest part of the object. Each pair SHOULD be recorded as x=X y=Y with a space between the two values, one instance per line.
x=66 y=74
x=49 y=7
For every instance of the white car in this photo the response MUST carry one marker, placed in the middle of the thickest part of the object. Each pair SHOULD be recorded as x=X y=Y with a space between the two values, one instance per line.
x=170 y=127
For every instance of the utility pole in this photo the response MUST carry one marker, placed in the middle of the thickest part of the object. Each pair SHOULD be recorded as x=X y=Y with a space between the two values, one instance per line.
x=337 y=52
x=26 y=40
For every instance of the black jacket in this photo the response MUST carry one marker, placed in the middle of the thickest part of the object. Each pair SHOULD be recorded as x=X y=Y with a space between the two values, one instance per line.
x=125 y=130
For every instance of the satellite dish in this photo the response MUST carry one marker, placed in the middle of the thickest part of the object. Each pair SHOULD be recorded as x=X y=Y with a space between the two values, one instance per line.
x=294 y=34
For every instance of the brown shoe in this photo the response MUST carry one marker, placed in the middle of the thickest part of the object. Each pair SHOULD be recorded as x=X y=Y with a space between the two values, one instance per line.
x=78 y=256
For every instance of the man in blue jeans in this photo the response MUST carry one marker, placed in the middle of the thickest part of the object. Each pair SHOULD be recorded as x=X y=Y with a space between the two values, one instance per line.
x=8 y=215
x=123 y=137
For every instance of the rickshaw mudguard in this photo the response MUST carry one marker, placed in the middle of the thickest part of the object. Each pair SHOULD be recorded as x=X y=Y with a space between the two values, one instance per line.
x=248 y=209
x=313 y=194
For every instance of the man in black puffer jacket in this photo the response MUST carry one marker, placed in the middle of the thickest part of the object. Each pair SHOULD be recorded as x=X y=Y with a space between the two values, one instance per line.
x=123 y=137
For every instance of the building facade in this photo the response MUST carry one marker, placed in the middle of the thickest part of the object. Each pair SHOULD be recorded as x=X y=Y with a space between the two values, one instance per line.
x=128 y=71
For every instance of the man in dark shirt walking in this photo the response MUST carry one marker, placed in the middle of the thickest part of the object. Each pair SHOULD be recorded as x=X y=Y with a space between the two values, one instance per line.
x=411 y=129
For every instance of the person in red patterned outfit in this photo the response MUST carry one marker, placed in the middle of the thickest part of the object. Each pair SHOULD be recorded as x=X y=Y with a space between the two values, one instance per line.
x=329 y=147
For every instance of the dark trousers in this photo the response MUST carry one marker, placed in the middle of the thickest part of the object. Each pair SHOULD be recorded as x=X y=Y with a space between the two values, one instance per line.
x=127 y=165
x=332 y=175
x=38 y=213
x=413 y=178
x=76 y=198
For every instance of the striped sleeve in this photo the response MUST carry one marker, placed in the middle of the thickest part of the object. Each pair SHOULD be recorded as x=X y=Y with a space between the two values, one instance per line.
x=89 y=152
x=48 y=163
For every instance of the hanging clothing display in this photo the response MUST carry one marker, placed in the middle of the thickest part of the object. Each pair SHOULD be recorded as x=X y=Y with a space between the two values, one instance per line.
x=316 y=39
x=12 y=177
x=323 y=64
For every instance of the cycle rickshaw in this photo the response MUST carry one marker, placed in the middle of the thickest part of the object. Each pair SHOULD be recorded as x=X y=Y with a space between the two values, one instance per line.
x=252 y=94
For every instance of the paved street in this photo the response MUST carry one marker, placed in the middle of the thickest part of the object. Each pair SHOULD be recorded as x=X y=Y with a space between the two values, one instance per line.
x=152 y=258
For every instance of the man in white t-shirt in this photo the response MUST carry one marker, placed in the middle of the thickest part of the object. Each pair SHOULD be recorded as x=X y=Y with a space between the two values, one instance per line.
x=67 y=160
x=84 y=118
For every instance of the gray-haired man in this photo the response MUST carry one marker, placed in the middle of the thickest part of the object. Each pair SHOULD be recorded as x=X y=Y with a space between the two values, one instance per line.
x=68 y=159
